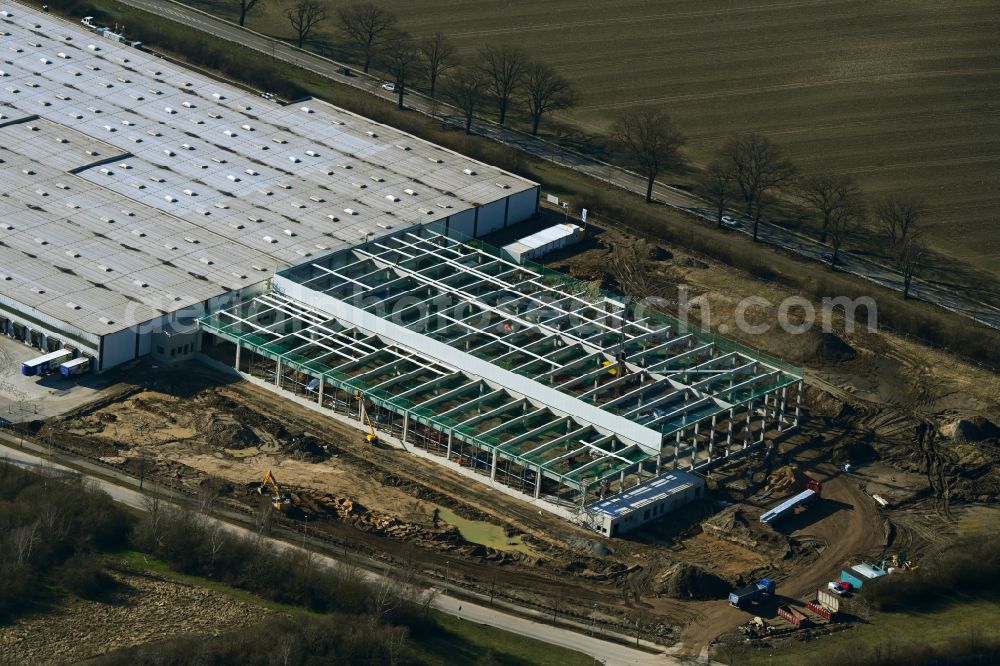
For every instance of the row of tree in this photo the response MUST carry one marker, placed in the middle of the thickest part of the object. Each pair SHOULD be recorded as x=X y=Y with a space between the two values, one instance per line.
x=504 y=76
x=750 y=170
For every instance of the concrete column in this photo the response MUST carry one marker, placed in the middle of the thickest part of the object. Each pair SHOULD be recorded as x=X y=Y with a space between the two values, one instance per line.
x=781 y=408
x=798 y=401
x=746 y=433
x=493 y=468
x=538 y=483
x=659 y=457
x=447 y=454
x=694 y=444
x=277 y=374
x=729 y=430
x=677 y=447
x=406 y=425
x=238 y=349
x=711 y=437
x=763 y=424
x=322 y=385
x=621 y=482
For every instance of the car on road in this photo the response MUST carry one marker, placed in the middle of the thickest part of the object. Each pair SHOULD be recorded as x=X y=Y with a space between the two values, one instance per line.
x=730 y=222
x=389 y=85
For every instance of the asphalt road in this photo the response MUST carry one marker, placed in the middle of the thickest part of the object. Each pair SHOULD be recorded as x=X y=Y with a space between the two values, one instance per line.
x=125 y=493
x=950 y=300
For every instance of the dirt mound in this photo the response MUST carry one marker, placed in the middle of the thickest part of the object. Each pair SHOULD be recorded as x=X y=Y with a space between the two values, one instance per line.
x=852 y=451
x=230 y=434
x=976 y=429
x=657 y=253
x=782 y=480
x=831 y=349
x=692 y=582
x=733 y=525
x=591 y=546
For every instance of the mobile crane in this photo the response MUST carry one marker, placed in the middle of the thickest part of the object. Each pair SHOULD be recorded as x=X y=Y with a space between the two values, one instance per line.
x=279 y=500
x=370 y=437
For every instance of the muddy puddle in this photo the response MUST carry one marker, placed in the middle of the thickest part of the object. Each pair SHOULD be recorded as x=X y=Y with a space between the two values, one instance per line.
x=486 y=534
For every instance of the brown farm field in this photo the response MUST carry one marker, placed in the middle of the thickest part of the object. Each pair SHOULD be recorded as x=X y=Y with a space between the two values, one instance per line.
x=903 y=94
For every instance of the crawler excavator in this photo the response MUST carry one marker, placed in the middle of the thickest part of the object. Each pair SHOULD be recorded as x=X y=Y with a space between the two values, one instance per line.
x=370 y=437
x=279 y=500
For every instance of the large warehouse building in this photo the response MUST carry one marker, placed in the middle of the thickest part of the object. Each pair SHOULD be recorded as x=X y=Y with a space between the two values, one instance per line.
x=139 y=195
x=325 y=255
x=543 y=383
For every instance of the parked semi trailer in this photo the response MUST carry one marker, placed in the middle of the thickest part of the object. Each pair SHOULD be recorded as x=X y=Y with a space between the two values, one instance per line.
x=77 y=366
x=759 y=591
x=810 y=494
x=43 y=365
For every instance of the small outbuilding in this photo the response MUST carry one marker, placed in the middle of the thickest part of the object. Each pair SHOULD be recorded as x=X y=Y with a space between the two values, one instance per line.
x=645 y=502
x=859 y=573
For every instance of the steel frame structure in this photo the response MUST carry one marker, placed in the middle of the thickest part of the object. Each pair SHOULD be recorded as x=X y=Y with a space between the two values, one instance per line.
x=529 y=366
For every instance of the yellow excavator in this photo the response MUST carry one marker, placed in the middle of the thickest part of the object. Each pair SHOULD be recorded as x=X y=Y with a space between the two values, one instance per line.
x=370 y=437
x=279 y=500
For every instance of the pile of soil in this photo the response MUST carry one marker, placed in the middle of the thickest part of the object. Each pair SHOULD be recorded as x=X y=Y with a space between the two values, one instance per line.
x=852 y=451
x=976 y=429
x=831 y=349
x=692 y=582
x=733 y=525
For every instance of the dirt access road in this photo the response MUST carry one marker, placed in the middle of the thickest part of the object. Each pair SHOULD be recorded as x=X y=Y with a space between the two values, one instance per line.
x=844 y=526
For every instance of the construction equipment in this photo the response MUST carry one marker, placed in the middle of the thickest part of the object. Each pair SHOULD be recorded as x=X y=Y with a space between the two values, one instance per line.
x=279 y=500
x=370 y=437
x=762 y=590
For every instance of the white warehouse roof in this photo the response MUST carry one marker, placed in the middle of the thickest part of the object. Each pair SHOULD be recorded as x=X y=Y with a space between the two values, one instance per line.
x=133 y=187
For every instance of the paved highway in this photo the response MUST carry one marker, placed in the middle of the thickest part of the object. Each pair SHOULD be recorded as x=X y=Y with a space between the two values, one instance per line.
x=126 y=493
x=536 y=147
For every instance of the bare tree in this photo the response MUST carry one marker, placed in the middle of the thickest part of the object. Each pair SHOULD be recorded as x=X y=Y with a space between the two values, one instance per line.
x=503 y=66
x=758 y=168
x=304 y=16
x=365 y=25
x=545 y=90
x=650 y=142
x=467 y=91
x=845 y=223
x=247 y=7
x=717 y=185
x=144 y=464
x=899 y=214
x=825 y=194
x=439 y=56
x=909 y=254
x=402 y=61
x=217 y=540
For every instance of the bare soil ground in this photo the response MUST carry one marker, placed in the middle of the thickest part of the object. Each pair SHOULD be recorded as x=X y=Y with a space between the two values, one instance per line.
x=149 y=608
x=193 y=427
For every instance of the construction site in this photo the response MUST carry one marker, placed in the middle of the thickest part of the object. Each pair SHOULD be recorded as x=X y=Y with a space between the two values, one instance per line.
x=201 y=427
x=374 y=374
x=545 y=385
